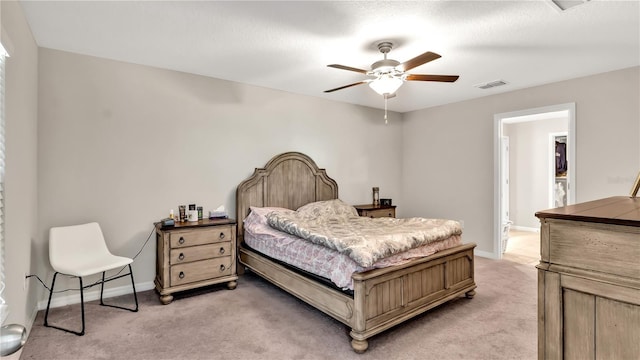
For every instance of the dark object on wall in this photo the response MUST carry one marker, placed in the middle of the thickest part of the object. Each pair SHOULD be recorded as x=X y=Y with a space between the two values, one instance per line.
x=385 y=202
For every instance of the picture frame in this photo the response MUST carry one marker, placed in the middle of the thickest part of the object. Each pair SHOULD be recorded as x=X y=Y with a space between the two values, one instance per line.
x=635 y=187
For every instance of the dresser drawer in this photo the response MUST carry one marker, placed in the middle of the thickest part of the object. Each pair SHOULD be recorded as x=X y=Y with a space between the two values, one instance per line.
x=201 y=252
x=593 y=246
x=380 y=213
x=200 y=236
x=200 y=270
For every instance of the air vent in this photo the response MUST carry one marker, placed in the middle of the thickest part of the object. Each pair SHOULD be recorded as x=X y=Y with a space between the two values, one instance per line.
x=563 y=5
x=491 y=84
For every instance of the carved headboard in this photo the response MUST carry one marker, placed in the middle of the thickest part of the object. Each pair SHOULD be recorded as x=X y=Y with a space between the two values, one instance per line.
x=289 y=180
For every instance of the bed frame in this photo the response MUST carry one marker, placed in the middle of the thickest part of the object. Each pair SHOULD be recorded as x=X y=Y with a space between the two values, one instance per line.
x=382 y=298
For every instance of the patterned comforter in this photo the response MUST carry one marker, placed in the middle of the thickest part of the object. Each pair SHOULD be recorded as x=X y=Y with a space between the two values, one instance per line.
x=336 y=225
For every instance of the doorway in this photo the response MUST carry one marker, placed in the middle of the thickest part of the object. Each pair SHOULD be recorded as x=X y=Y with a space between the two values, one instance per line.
x=558 y=194
x=523 y=184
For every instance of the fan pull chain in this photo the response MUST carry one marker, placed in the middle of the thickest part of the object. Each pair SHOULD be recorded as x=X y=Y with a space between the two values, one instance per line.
x=386 y=122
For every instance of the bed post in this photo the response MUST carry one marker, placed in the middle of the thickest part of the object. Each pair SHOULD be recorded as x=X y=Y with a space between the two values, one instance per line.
x=359 y=341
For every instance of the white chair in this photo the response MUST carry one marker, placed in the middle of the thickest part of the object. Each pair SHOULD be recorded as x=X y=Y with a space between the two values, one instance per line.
x=78 y=251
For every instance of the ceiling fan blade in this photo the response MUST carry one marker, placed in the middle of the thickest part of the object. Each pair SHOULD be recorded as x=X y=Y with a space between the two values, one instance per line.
x=441 y=78
x=417 y=61
x=343 y=67
x=346 y=86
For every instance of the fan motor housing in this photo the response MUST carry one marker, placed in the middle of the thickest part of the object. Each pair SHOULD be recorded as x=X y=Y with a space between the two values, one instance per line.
x=384 y=66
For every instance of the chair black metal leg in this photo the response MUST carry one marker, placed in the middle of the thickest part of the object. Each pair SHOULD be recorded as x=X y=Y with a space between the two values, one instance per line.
x=133 y=285
x=80 y=333
x=135 y=297
x=81 y=304
x=102 y=289
x=46 y=315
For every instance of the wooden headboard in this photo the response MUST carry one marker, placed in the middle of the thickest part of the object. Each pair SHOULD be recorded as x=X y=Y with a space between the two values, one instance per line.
x=289 y=180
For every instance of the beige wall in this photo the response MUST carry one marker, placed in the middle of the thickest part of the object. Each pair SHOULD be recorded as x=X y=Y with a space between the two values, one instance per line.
x=448 y=151
x=21 y=213
x=122 y=144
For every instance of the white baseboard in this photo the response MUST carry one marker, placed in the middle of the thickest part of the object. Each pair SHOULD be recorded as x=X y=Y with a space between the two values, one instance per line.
x=59 y=301
x=31 y=320
x=525 y=228
x=484 y=254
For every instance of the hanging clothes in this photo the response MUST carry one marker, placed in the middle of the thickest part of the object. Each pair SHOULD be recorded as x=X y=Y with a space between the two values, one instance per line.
x=561 y=159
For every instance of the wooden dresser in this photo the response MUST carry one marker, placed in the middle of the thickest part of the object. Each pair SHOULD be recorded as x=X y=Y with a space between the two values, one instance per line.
x=375 y=211
x=589 y=281
x=195 y=254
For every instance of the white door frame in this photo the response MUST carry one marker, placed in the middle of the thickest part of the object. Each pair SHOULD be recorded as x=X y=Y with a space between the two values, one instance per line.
x=504 y=194
x=499 y=120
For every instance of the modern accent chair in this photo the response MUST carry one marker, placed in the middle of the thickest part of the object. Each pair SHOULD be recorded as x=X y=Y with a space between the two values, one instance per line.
x=79 y=251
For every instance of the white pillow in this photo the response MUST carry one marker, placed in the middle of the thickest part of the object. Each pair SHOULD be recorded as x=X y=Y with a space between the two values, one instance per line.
x=328 y=208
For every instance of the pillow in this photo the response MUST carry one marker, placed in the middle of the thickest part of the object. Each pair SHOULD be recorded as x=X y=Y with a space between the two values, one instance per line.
x=259 y=214
x=263 y=211
x=328 y=208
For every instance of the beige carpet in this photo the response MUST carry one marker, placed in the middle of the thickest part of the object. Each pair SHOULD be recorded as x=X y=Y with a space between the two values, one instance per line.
x=259 y=321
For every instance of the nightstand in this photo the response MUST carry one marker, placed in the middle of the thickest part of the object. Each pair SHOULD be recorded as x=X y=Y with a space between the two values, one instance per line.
x=195 y=254
x=376 y=211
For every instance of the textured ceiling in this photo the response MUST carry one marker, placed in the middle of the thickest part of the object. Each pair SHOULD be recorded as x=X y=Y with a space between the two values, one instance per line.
x=287 y=45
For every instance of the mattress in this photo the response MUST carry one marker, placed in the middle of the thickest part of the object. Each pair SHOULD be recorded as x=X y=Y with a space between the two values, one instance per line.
x=320 y=260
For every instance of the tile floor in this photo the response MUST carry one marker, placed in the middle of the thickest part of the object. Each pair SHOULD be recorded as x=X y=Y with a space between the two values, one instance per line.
x=523 y=247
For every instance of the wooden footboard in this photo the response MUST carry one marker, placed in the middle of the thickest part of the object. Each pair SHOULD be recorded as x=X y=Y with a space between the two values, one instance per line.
x=386 y=297
x=382 y=298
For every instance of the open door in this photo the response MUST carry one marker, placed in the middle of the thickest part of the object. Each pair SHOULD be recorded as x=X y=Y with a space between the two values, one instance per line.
x=504 y=179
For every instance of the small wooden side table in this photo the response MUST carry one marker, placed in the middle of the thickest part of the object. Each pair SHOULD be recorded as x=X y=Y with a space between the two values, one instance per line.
x=376 y=211
x=195 y=254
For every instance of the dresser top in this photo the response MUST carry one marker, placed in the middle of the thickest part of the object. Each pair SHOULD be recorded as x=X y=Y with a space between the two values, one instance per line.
x=373 y=207
x=199 y=223
x=619 y=210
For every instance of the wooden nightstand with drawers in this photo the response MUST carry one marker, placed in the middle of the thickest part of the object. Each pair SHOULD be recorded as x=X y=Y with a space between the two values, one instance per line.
x=376 y=211
x=195 y=254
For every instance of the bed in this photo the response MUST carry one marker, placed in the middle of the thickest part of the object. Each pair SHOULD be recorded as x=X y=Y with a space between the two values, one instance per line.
x=380 y=298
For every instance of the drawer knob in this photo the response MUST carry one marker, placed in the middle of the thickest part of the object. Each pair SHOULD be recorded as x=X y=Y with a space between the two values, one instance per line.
x=222 y=268
x=181 y=257
x=221 y=250
x=181 y=241
x=181 y=276
x=221 y=235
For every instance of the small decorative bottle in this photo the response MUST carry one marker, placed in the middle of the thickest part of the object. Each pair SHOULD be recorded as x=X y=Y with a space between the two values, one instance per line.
x=376 y=196
x=182 y=211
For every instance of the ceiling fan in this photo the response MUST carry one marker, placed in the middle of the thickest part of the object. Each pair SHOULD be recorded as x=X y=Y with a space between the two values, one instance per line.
x=388 y=74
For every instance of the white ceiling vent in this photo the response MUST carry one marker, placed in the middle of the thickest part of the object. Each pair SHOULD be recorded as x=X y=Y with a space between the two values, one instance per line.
x=491 y=84
x=562 y=5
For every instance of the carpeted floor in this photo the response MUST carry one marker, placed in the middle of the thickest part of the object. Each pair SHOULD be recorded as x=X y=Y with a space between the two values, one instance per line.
x=259 y=321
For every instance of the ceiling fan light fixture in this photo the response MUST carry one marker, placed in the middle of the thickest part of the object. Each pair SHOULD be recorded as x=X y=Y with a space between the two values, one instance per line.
x=386 y=84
